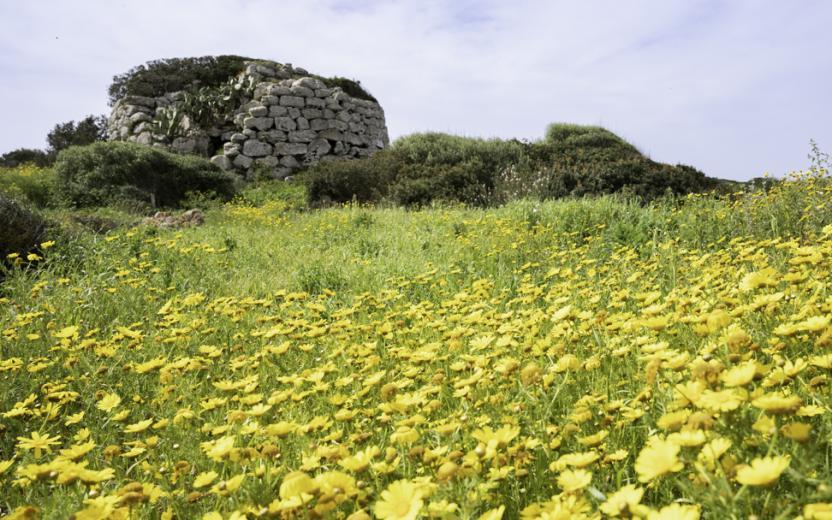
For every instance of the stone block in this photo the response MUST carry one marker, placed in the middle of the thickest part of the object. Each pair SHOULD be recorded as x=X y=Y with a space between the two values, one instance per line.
x=258 y=111
x=303 y=123
x=292 y=101
x=278 y=111
x=312 y=113
x=301 y=91
x=302 y=136
x=242 y=161
x=222 y=161
x=290 y=148
x=315 y=102
x=255 y=148
x=285 y=123
x=259 y=123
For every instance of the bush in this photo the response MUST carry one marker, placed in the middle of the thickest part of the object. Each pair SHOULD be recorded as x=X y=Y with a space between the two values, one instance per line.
x=29 y=183
x=23 y=156
x=114 y=172
x=359 y=180
x=571 y=161
x=22 y=230
x=158 y=77
x=86 y=131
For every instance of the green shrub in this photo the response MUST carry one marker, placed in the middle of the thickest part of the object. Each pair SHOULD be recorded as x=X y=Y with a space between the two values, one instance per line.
x=571 y=161
x=155 y=78
x=113 y=172
x=22 y=156
x=29 y=183
x=21 y=231
x=359 y=180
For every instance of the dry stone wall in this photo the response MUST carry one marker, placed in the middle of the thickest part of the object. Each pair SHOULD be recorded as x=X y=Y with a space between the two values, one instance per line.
x=287 y=119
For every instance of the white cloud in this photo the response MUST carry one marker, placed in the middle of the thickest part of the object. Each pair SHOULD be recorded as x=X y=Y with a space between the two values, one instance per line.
x=734 y=88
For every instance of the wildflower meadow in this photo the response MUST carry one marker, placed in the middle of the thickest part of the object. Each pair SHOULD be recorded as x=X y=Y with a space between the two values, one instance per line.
x=584 y=358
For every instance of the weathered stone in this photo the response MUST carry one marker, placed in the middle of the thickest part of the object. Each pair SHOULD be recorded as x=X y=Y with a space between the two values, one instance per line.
x=269 y=100
x=260 y=123
x=183 y=145
x=272 y=136
x=323 y=92
x=241 y=161
x=222 y=161
x=231 y=149
x=315 y=102
x=290 y=148
x=292 y=101
x=340 y=125
x=352 y=138
x=310 y=83
x=250 y=133
x=358 y=128
x=294 y=112
x=340 y=148
x=302 y=91
x=139 y=117
x=312 y=113
x=145 y=138
x=303 y=123
x=343 y=116
x=255 y=148
x=285 y=123
x=332 y=134
x=279 y=90
x=302 y=136
x=289 y=161
x=278 y=111
x=238 y=138
x=319 y=147
x=258 y=111
x=329 y=114
x=318 y=124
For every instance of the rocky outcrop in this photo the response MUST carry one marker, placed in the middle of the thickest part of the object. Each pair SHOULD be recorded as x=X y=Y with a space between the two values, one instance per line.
x=285 y=118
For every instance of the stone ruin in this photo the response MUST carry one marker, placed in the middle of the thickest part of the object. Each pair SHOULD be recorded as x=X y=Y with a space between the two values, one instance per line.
x=286 y=118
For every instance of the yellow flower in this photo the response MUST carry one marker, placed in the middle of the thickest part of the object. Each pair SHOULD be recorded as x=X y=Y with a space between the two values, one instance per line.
x=762 y=471
x=108 y=402
x=38 y=443
x=656 y=459
x=139 y=426
x=493 y=514
x=776 y=403
x=739 y=375
x=818 y=510
x=625 y=500
x=573 y=480
x=204 y=478
x=675 y=512
x=402 y=500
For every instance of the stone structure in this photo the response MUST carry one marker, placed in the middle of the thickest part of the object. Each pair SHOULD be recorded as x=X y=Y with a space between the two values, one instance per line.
x=285 y=118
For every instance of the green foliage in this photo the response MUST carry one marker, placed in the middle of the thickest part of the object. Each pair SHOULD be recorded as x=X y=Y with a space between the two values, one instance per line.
x=23 y=156
x=105 y=173
x=351 y=87
x=350 y=180
x=22 y=229
x=84 y=132
x=571 y=161
x=29 y=183
x=155 y=78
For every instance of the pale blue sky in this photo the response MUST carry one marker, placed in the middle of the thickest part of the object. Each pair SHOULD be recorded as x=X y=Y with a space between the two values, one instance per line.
x=734 y=88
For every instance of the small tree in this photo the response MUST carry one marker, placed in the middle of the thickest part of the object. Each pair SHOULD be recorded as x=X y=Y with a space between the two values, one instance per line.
x=24 y=156
x=84 y=132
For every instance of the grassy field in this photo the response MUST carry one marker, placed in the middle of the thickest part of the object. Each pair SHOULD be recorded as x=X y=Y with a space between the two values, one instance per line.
x=570 y=359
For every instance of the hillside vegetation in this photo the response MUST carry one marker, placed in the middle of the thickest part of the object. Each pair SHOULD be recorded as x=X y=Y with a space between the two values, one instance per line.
x=570 y=161
x=573 y=358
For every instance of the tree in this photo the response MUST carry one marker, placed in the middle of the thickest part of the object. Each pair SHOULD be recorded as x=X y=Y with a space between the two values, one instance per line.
x=24 y=156
x=86 y=131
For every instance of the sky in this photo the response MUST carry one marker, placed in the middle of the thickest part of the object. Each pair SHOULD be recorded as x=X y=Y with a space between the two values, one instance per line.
x=736 y=88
